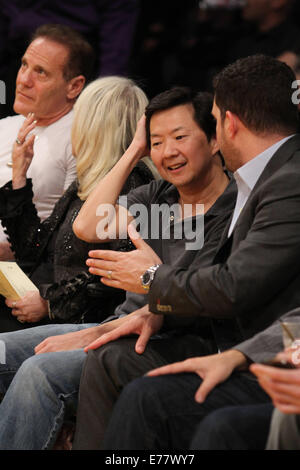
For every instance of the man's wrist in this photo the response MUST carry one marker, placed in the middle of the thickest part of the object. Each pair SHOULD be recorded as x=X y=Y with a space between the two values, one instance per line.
x=135 y=151
x=148 y=276
x=18 y=182
x=239 y=360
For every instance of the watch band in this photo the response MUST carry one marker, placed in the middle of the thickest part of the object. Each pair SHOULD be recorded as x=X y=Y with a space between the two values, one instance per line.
x=148 y=276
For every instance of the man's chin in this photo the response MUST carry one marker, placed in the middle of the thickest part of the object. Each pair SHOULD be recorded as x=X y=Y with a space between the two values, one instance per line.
x=20 y=108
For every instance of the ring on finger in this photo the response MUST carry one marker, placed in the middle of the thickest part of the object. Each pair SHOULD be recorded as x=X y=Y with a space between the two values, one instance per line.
x=14 y=303
x=19 y=320
x=109 y=274
x=18 y=141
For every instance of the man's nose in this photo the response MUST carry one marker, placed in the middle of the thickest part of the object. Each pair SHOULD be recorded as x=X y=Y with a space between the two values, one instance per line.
x=25 y=77
x=170 y=148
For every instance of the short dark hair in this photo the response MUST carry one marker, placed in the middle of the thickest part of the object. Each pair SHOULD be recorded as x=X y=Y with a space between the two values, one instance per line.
x=81 y=54
x=201 y=101
x=258 y=89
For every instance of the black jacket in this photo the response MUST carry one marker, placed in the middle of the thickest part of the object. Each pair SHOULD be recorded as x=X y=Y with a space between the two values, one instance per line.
x=55 y=258
x=255 y=275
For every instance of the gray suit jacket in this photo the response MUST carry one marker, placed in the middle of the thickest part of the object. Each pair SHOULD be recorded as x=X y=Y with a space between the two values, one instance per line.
x=266 y=344
x=255 y=276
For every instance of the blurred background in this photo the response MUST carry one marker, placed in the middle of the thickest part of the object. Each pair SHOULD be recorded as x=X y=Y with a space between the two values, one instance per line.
x=159 y=43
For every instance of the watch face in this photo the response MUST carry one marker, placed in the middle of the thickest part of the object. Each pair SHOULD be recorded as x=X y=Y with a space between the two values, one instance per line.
x=146 y=278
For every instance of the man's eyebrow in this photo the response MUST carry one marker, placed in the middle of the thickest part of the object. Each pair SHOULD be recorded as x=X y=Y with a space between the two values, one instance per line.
x=39 y=65
x=179 y=128
x=155 y=135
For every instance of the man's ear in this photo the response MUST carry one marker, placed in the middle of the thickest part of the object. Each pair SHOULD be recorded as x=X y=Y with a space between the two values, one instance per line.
x=75 y=86
x=214 y=145
x=231 y=122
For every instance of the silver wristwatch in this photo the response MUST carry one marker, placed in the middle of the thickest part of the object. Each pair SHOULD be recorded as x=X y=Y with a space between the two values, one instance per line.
x=148 y=276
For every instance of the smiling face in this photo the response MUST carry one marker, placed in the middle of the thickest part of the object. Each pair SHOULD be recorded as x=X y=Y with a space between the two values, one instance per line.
x=40 y=85
x=179 y=147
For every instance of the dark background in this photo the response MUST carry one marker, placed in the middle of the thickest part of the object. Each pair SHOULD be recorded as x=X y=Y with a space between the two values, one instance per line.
x=175 y=42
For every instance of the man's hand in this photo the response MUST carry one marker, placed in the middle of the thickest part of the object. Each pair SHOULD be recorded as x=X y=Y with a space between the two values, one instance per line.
x=141 y=322
x=123 y=270
x=30 y=308
x=140 y=140
x=212 y=369
x=22 y=152
x=291 y=354
x=283 y=385
x=75 y=340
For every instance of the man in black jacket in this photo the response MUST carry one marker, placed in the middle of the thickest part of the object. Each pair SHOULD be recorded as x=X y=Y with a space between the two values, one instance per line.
x=253 y=278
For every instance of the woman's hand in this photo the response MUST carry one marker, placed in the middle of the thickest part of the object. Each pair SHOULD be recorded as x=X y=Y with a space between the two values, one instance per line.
x=22 y=152
x=30 y=308
x=5 y=252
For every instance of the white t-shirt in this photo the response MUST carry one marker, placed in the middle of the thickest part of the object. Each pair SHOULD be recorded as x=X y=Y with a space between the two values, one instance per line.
x=53 y=168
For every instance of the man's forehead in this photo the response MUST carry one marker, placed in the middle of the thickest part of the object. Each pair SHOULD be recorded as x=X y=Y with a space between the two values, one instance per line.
x=177 y=117
x=47 y=52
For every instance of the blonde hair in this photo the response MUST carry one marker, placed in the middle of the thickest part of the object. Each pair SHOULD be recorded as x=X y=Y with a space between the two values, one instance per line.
x=105 y=119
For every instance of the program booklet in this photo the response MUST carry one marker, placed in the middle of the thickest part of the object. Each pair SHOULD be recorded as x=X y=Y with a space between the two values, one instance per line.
x=14 y=283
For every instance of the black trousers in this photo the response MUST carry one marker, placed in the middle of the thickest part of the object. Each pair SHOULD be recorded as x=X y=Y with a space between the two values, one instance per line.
x=159 y=413
x=244 y=427
x=110 y=368
x=133 y=416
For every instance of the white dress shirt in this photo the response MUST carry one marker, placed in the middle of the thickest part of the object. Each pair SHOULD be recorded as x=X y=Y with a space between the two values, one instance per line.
x=247 y=176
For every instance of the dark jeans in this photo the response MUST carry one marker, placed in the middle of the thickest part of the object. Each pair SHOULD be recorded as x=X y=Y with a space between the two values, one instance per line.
x=110 y=368
x=234 y=428
x=160 y=412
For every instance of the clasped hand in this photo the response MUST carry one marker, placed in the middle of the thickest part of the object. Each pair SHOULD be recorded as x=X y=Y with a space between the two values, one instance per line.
x=283 y=385
x=30 y=308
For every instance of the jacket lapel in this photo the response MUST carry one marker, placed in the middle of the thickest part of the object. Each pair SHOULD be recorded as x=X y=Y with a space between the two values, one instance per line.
x=280 y=157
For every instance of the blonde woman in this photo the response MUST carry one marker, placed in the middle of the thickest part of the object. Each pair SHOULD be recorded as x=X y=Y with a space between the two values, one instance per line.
x=105 y=120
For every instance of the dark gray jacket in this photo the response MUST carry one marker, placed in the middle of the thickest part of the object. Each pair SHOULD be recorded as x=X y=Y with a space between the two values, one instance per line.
x=255 y=276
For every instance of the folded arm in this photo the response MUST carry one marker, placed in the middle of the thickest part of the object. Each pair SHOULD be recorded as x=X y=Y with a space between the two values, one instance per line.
x=100 y=217
x=252 y=275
